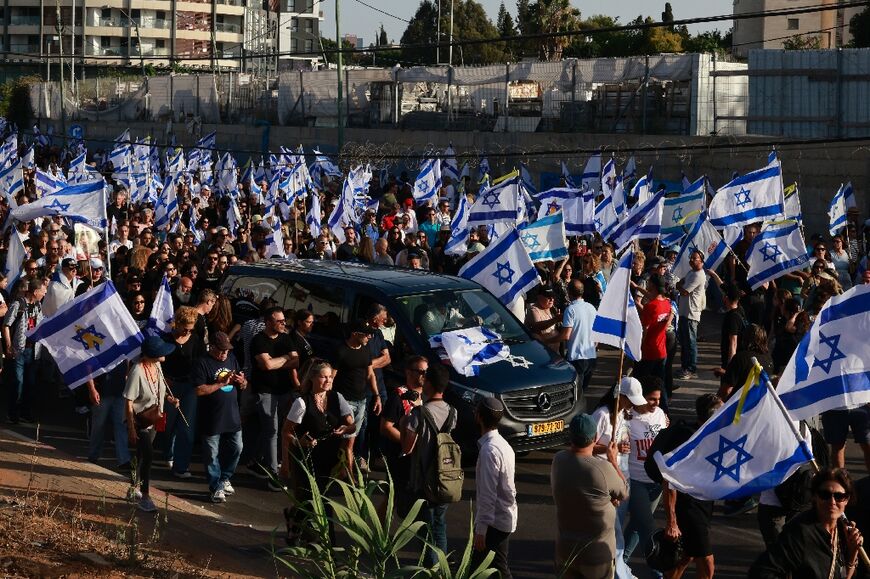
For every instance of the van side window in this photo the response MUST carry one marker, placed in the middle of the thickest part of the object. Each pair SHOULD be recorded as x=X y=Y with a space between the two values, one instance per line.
x=325 y=302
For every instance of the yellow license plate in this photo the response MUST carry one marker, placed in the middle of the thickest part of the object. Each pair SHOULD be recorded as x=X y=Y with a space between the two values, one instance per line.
x=545 y=428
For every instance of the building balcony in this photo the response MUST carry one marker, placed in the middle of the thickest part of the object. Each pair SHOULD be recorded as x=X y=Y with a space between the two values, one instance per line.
x=227 y=27
x=24 y=49
x=16 y=20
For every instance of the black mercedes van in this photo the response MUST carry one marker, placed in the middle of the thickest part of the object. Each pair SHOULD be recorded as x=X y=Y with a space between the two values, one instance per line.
x=539 y=389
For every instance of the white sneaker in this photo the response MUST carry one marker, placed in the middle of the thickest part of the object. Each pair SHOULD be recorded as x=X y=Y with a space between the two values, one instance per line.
x=228 y=488
x=147 y=505
x=218 y=496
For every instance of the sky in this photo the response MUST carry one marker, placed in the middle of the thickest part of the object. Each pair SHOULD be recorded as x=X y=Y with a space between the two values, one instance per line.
x=361 y=20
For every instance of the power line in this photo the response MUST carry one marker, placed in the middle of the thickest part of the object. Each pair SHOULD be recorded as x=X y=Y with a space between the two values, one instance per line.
x=376 y=9
x=639 y=26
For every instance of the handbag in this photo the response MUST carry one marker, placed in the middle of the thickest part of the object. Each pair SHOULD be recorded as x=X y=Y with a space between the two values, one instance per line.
x=151 y=416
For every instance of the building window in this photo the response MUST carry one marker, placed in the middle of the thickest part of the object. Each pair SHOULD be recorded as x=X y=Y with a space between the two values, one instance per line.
x=105 y=42
x=106 y=13
x=309 y=45
x=160 y=15
x=291 y=5
x=136 y=14
x=294 y=24
x=309 y=25
x=160 y=43
x=294 y=45
x=794 y=24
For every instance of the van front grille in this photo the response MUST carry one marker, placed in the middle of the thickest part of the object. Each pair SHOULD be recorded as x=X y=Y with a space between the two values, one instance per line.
x=541 y=402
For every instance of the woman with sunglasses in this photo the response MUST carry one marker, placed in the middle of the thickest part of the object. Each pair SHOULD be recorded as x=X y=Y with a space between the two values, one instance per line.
x=136 y=303
x=818 y=543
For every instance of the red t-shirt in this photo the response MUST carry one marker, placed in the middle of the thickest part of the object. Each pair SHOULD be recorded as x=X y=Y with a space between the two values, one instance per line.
x=653 y=318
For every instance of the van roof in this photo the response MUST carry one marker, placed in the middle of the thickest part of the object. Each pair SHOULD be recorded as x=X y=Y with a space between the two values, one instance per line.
x=391 y=281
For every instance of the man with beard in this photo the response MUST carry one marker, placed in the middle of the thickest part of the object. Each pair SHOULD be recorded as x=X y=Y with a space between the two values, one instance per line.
x=182 y=294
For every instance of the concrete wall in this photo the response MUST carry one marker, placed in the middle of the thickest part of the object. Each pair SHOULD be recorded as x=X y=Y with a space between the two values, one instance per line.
x=819 y=169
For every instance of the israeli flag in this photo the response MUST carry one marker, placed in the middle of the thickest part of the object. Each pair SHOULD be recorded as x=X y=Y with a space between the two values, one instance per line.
x=642 y=189
x=545 y=238
x=46 y=183
x=644 y=221
x=682 y=212
x=275 y=241
x=449 y=166
x=704 y=238
x=90 y=335
x=234 y=216
x=167 y=205
x=84 y=203
x=617 y=322
x=428 y=182
x=27 y=158
x=605 y=217
x=793 y=203
x=15 y=256
x=749 y=445
x=504 y=268
x=579 y=212
x=526 y=177
x=591 y=177
x=498 y=204
x=470 y=348
x=777 y=250
x=840 y=204
x=12 y=180
x=458 y=243
x=830 y=369
x=553 y=201
x=342 y=215
x=207 y=142
x=162 y=311
x=483 y=169
x=314 y=217
x=756 y=196
x=612 y=187
x=629 y=172
x=566 y=176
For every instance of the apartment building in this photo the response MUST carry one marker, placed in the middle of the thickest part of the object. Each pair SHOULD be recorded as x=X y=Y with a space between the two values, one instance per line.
x=298 y=33
x=196 y=33
x=831 y=27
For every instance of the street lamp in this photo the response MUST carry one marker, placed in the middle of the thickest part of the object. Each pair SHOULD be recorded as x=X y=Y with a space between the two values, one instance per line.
x=138 y=43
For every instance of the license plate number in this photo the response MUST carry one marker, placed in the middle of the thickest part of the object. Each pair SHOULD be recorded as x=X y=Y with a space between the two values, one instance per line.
x=545 y=428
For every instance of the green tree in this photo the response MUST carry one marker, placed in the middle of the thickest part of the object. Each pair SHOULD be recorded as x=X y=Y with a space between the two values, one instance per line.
x=526 y=24
x=470 y=22
x=601 y=44
x=802 y=42
x=506 y=29
x=382 y=37
x=551 y=16
x=709 y=42
x=661 y=40
x=668 y=15
x=859 y=28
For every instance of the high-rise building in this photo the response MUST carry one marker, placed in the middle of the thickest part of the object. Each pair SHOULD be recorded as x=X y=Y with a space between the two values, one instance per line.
x=298 y=33
x=195 y=33
x=830 y=27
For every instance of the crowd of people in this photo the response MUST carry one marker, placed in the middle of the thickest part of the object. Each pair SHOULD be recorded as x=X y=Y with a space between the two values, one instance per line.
x=254 y=392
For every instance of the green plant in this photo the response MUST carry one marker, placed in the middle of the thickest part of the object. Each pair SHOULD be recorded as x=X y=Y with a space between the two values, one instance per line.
x=15 y=100
x=375 y=543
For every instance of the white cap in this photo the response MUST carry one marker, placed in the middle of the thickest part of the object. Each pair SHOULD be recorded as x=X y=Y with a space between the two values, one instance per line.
x=96 y=263
x=631 y=389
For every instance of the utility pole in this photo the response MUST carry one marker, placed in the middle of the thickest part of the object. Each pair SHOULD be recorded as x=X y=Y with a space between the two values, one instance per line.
x=138 y=44
x=450 y=49
x=72 y=43
x=438 y=36
x=340 y=88
x=59 y=30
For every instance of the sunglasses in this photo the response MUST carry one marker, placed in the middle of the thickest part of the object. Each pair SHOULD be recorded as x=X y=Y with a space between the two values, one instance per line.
x=826 y=495
x=139 y=302
x=417 y=371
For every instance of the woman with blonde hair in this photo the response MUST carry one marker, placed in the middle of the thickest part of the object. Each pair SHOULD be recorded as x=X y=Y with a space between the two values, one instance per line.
x=312 y=435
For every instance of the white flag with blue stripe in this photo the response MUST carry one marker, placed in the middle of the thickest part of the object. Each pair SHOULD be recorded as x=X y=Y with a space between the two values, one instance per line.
x=605 y=217
x=591 y=177
x=642 y=189
x=777 y=250
x=830 y=369
x=612 y=187
x=755 y=196
x=579 y=212
x=498 y=204
x=167 y=204
x=553 y=201
x=504 y=268
x=458 y=242
x=470 y=348
x=644 y=221
x=545 y=238
x=681 y=212
x=747 y=446
x=617 y=322
x=428 y=182
x=793 y=203
x=162 y=311
x=84 y=203
x=449 y=166
x=704 y=238
x=566 y=176
x=90 y=335
x=840 y=204
x=313 y=219
x=15 y=256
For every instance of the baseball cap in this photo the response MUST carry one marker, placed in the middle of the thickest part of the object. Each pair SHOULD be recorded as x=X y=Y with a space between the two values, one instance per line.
x=68 y=262
x=547 y=292
x=582 y=430
x=96 y=263
x=675 y=248
x=221 y=341
x=360 y=327
x=632 y=389
x=257 y=218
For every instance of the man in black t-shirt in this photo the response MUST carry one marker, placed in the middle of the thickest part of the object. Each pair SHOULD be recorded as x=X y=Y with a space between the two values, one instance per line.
x=354 y=377
x=216 y=377
x=376 y=318
x=732 y=324
x=273 y=355
x=399 y=405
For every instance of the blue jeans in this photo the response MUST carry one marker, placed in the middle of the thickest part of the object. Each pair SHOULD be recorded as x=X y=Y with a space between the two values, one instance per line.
x=642 y=502
x=220 y=453
x=584 y=371
x=435 y=517
x=22 y=385
x=270 y=409
x=359 y=410
x=621 y=569
x=179 y=436
x=688 y=330
x=110 y=408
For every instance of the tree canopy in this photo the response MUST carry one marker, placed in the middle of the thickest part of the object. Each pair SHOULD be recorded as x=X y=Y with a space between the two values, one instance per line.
x=470 y=22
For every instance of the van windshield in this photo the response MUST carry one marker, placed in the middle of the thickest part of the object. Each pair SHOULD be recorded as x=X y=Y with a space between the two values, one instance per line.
x=443 y=311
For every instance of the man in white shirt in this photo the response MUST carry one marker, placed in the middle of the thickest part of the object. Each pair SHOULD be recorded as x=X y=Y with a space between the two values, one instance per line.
x=693 y=300
x=123 y=238
x=62 y=288
x=496 y=502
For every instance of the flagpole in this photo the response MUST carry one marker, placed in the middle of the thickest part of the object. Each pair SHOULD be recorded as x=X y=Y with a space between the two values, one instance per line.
x=615 y=414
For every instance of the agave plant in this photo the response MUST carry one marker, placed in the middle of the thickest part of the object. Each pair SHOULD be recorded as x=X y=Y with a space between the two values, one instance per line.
x=375 y=542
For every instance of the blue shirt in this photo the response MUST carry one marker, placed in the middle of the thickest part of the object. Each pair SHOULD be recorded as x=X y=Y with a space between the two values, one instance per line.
x=579 y=316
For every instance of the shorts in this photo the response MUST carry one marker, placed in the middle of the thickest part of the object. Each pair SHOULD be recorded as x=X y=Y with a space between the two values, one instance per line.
x=836 y=425
x=359 y=410
x=694 y=518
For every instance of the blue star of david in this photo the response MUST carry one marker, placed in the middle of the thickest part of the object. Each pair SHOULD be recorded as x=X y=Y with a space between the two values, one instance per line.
x=503 y=273
x=56 y=204
x=769 y=252
x=611 y=182
x=678 y=215
x=717 y=459
x=89 y=336
x=553 y=207
x=598 y=224
x=836 y=354
x=491 y=200
x=531 y=241
x=742 y=198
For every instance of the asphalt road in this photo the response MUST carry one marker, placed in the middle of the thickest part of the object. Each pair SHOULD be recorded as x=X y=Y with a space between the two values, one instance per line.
x=257 y=511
